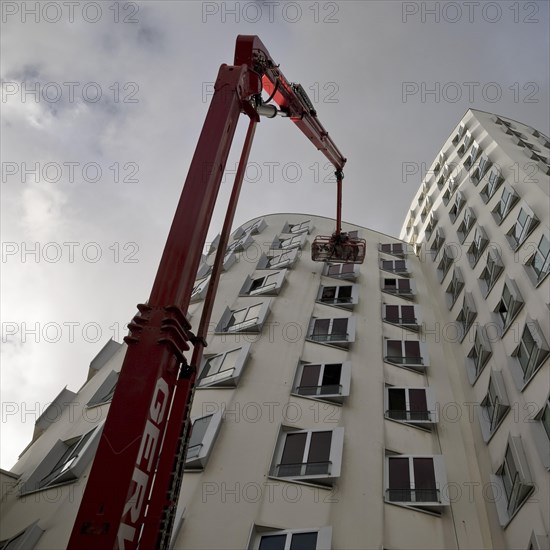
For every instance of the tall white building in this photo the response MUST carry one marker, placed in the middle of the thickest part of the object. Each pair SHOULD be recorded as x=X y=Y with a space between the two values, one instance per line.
x=399 y=404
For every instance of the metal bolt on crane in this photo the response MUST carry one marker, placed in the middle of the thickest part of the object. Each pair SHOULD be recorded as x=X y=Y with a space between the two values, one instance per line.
x=131 y=494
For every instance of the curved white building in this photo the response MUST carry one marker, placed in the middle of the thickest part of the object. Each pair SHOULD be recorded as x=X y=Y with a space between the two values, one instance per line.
x=398 y=404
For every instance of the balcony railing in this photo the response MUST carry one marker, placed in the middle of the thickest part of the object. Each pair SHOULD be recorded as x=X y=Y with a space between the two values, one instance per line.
x=410 y=416
x=336 y=300
x=395 y=269
x=328 y=389
x=193 y=451
x=327 y=337
x=263 y=289
x=513 y=493
x=413 y=495
x=248 y=323
x=399 y=359
x=398 y=291
x=222 y=375
x=401 y=320
x=302 y=469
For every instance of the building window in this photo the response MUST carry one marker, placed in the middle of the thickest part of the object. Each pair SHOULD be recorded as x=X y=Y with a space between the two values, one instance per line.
x=223 y=369
x=395 y=266
x=214 y=244
x=410 y=222
x=509 y=305
x=459 y=133
x=447 y=259
x=402 y=315
x=545 y=419
x=405 y=353
x=398 y=287
x=264 y=538
x=491 y=272
x=246 y=319
x=329 y=381
x=472 y=157
x=24 y=540
x=424 y=190
x=530 y=353
x=411 y=405
x=341 y=271
x=514 y=477
x=466 y=225
x=278 y=260
x=65 y=462
x=502 y=122
x=464 y=147
x=525 y=224
x=345 y=296
x=494 y=406
x=479 y=354
x=438 y=241
x=538 y=542
x=298 y=228
x=269 y=284
x=541 y=433
x=459 y=203
x=229 y=259
x=200 y=289
x=204 y=431
x=478 y=245
x=467 y=315
x=453 y=186
x=204 y=270
x=395 y=249
x=257 y=227
x=241 y=244
x=494 y=181
x=440 y=162
x=482 y=168
x=507 y=201
x=314 y=455
x=430 y=226
x=105 y=392
x=339 y=331
x=455 y=287
x=289 y=242
x=426 y=210
x=416 y=480
x=538 y=264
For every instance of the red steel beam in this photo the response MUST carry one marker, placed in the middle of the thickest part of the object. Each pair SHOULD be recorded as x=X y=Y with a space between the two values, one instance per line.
x=163 y=503
x=114 y=501
x=120 y=485
x=252 y=52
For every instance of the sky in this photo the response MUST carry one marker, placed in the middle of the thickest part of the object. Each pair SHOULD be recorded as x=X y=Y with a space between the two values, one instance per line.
x=102 y=105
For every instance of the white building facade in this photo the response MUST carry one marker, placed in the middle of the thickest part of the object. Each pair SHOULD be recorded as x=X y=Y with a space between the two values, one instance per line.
x=349 y=406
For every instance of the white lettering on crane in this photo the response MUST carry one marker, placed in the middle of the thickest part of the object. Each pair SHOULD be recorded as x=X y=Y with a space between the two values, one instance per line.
x=142 y=472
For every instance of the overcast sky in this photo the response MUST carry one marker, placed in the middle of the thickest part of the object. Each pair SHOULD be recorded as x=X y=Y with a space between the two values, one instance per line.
x=121 y=94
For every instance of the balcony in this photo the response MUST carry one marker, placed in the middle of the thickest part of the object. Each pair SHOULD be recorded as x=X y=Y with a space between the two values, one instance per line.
x=302 y=469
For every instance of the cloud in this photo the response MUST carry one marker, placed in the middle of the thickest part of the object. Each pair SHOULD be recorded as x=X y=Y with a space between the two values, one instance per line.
x=142 y=133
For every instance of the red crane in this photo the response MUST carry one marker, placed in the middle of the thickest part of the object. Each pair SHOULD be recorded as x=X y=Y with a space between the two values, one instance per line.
x=131 y=495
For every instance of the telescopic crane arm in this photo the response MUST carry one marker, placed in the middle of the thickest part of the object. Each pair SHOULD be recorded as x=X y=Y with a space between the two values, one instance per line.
x=131 y=494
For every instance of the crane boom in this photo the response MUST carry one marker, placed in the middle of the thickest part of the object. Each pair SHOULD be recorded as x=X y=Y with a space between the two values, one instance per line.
x=131 y=493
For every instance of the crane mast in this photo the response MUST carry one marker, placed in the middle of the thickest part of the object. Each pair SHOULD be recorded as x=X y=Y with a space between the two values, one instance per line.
x=131 y=494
